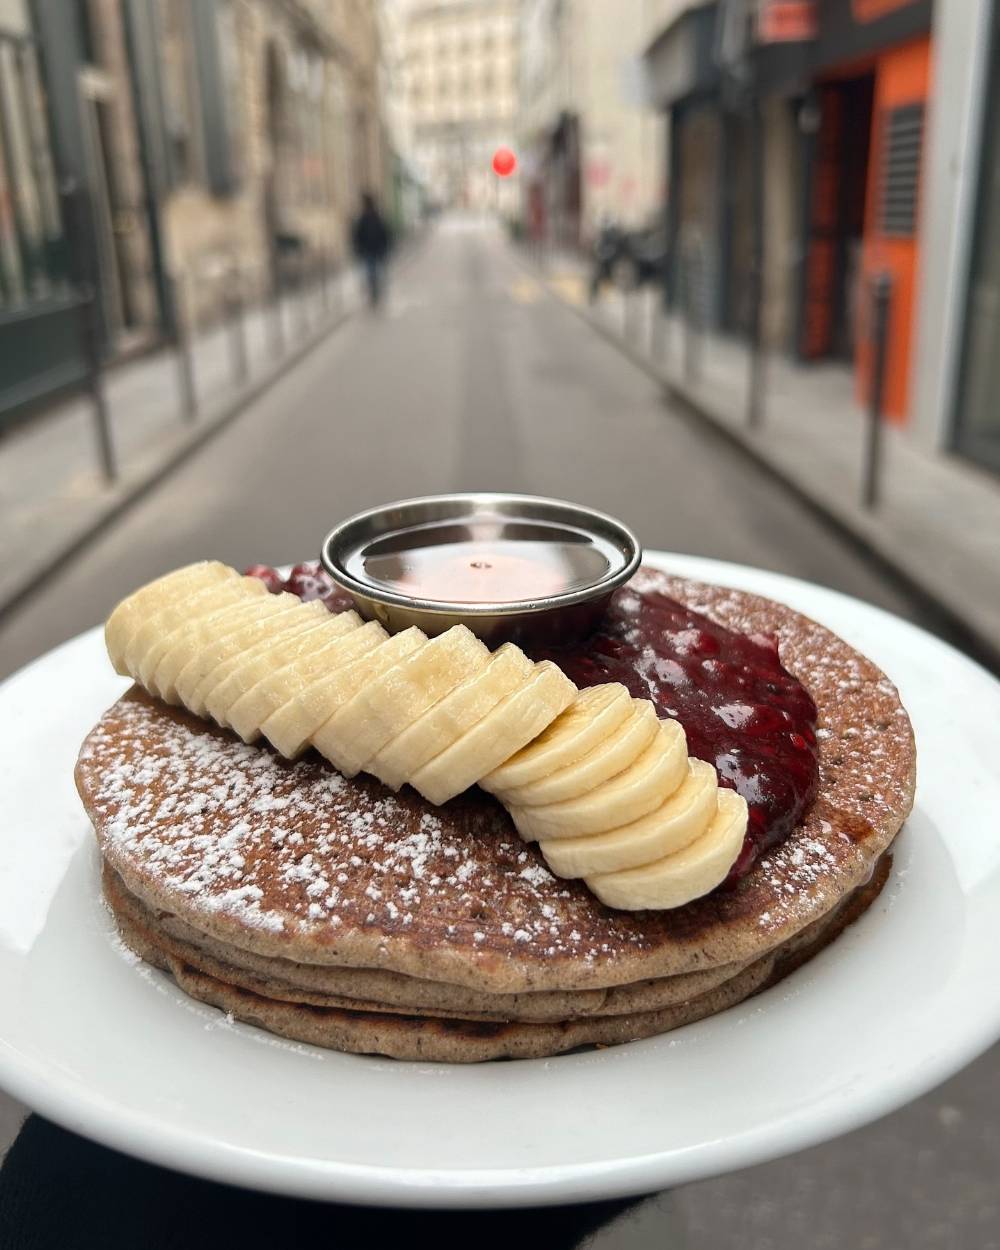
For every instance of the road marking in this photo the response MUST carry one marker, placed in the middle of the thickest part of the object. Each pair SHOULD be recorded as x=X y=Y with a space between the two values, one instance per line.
x=525 y=291
x=570 y=286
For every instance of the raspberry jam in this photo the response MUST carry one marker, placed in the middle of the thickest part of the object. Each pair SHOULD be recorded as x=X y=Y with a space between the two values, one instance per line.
x=741 y=710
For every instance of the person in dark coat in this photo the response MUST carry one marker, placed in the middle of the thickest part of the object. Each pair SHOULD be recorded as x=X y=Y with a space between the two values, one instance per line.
x=370 y=240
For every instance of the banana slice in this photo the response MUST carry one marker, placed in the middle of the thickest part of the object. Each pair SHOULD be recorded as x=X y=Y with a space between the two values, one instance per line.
x=178 y=611
x=511 y=724
x=306 y=716
x=200 y=633
x=133 y=610
x=319 y=693
x=606 y=760
x=234 y=677
x=591 y=719
x=270 y=618
x=451 y=717
x=346 y=639
x=636 y=792
x=677 y=823
x=247 y=592
x=687 y=874
x=383 y=708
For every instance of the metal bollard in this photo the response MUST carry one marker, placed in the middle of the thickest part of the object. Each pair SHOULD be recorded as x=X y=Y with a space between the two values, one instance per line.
x=237 y=328
x=692 y=343
x=324 y=285
x=338 y=289
x=755 y=374
x=301 y=299
x=755 y=329
x=629 y=317
x=182 y=343
x=277 y=320
x=881 y=300
x=658 y=330
x=89 y=335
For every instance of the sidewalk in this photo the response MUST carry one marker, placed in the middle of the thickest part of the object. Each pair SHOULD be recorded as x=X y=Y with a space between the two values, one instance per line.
x=53 y=497
x=937 y=524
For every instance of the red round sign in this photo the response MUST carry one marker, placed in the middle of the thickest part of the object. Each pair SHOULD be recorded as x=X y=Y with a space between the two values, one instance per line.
x=504 y=162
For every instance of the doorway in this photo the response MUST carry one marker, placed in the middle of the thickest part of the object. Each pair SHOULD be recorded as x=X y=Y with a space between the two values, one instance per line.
x=837 y=160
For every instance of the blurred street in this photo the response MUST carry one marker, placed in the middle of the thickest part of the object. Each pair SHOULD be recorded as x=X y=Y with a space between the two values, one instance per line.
x=473 y=377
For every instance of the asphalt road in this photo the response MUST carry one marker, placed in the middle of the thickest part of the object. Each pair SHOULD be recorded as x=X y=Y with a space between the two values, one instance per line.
x=473 y=378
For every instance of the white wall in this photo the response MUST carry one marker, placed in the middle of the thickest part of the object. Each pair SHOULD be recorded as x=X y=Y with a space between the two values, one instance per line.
x=948 y=191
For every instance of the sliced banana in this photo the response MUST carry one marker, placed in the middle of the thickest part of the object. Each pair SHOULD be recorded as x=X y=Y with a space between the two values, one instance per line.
x=640 y=789
x=383 y=708
x=176 y=612
x=593 y=716
x=676 y=823
x=687 y=874
x=451 y=717
x=344 y=639
x=606 y=788
x=255 y=684
x=198 y=634
x=509 y=726
x=291 y=727
x=235 y=676
x=310 y=714
x=133 y=611
x=248 y=589
x=606 y=760
x=268 y=619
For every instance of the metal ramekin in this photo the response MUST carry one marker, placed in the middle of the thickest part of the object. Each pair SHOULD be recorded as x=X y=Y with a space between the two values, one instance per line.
x=553 y=619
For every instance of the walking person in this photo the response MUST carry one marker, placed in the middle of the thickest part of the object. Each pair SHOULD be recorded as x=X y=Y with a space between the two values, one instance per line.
x=370 y=240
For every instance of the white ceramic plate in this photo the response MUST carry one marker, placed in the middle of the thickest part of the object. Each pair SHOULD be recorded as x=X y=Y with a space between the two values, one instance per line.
x=110 y=1048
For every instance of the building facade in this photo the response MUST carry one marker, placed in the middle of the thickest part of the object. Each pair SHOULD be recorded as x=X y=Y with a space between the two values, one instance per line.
x=958 y=337
x=205 y=139
x=593 y=150
x=799 y=141
x=458 y=77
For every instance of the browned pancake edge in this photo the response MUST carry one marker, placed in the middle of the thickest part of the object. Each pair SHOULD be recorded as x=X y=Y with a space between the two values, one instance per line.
x=451 y=1040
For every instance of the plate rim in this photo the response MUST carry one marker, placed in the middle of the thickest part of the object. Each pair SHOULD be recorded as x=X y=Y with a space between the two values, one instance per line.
x=141 y=1134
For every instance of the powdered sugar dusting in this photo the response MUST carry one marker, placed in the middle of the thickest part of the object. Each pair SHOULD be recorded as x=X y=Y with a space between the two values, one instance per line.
x=233 y=830
x=232 y=834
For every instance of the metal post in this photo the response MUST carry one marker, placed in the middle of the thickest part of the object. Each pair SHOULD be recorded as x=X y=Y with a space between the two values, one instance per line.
x=755 y=379
x=658 y=329
x=237 y=327
x=301 y=297
x=881 y=299
x=182 y=342
x=662 y=305
x=629 y=319
x=277 y=321
x=692 y=345
x=90 y=338
x=324 y=285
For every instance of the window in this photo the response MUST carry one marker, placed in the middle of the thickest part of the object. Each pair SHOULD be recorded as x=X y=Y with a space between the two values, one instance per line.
x=216 y=59
x=30 y=236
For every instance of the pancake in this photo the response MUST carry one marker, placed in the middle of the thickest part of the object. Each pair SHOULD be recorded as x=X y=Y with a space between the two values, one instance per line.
x=453 y=1040
x=363 y=989
x=292 y=861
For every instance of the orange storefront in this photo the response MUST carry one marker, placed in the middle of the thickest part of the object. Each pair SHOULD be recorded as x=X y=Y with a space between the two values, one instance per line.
x=871 y=85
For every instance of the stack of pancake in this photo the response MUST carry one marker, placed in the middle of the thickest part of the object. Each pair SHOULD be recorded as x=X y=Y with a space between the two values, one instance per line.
x=336 y=912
